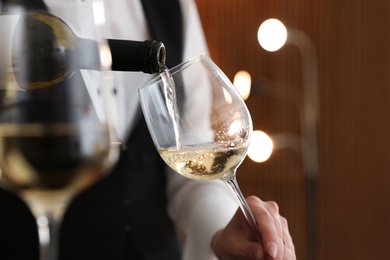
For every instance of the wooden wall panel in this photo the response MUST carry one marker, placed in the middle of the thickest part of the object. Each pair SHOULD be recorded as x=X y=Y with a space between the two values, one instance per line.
x=352 y=39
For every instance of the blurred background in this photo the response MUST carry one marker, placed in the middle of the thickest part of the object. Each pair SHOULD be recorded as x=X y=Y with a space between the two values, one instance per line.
x=324 y=100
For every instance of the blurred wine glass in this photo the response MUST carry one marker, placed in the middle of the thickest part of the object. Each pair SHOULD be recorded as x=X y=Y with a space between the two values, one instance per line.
x=199 y=123
x=55 y=132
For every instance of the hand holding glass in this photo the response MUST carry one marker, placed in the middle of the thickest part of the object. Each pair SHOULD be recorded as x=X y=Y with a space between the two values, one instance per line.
x=199 y=123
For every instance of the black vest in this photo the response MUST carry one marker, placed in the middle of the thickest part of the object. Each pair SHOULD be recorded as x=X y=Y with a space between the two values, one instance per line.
x=125 y=215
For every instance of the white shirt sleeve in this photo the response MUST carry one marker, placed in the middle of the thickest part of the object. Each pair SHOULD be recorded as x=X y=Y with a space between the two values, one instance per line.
x=200 y=208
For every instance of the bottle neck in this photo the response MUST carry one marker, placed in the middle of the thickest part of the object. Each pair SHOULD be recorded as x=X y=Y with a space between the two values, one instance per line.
x=157 y=57
x=146 y=56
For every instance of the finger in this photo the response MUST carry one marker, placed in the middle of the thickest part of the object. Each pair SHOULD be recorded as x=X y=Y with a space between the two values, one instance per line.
x=265 y=219
x=273 y=208
x=247 y=247
x=288 y=243
x=288 y=254
x=235 y=247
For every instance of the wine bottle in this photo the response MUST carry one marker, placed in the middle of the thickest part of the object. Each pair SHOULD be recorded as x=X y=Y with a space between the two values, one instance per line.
x=46 y=52
x=53 y=131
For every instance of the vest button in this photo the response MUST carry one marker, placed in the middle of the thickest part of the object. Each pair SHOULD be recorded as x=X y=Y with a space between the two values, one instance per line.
x=127 y=202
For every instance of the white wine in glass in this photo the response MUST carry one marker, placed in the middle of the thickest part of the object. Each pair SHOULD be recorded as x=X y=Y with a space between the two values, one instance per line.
x=55 y=132
x=199 y=124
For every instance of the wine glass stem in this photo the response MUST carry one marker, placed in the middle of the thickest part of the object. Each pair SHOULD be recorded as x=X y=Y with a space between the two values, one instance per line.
x=47 y=231
x=232 y=183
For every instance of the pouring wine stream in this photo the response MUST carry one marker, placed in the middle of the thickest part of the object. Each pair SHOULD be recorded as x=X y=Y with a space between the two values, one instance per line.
x=170 y=97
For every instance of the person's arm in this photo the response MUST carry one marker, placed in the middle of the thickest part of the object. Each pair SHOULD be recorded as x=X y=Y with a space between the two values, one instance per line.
x=207 y=211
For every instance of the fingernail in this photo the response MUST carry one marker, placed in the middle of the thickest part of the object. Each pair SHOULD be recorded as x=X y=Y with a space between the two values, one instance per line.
x=272 y=249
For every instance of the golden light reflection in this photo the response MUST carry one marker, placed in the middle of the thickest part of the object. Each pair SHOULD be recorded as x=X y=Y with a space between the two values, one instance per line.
x=243 y=81
x=235 y=128
x=228 y=98
x=105 y=54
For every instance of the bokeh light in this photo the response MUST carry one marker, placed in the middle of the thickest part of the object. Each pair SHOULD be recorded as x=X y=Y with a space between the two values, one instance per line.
x=272 y=35
x=261 y=146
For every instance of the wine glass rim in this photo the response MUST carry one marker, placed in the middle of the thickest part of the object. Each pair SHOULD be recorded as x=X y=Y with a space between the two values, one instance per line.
x=177 y=69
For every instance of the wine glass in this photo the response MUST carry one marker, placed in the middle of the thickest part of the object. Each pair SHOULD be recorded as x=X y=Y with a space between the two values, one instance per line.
x=199 y=124
x=56 y=136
